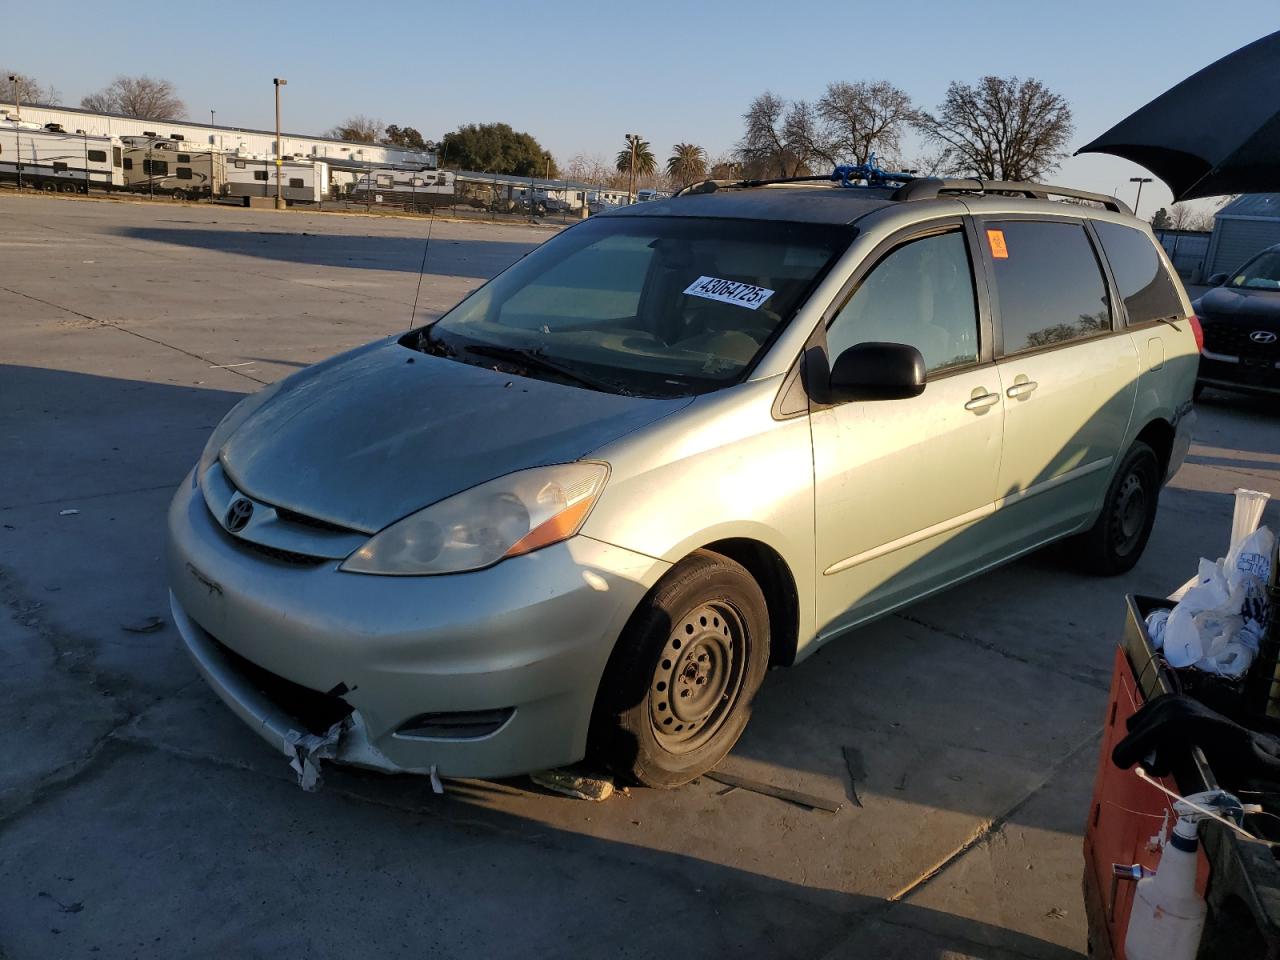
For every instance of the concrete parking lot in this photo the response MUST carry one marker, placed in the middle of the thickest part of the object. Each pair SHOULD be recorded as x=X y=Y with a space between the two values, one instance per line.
x=139 y=818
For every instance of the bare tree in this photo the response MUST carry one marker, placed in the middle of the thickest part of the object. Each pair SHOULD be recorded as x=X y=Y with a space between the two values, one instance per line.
x=593 y=168
x=1000 y=128
x=145 y=98
x=863 y=118
x=358 y=129
x=780 y=138
x=28 y=89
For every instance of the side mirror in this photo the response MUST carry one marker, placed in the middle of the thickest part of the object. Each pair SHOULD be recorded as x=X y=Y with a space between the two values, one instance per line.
x=1217 y=279
x=877 y=371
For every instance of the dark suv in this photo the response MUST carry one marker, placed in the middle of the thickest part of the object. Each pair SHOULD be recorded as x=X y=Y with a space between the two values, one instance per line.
x=1241 y=321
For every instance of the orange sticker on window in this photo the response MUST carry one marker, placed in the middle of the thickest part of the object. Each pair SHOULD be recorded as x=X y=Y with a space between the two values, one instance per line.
x=996 y=240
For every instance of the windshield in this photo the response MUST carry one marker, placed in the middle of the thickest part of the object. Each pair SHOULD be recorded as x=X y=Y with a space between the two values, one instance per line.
x=1260 y=273
x=656 y=306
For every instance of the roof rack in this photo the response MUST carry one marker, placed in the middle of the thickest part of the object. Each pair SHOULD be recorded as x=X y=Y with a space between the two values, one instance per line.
x=928 y=188
x=855 y=176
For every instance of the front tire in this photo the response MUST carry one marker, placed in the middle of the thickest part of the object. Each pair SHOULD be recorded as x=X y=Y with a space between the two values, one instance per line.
x=677 y=691
x=1115 y=542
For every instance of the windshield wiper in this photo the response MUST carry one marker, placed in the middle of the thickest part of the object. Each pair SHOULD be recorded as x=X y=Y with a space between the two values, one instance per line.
x=531 y=360
x=1171 y=320
x=433 y=343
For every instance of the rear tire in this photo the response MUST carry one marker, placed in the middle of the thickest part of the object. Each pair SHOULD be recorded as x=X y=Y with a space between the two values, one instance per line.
x=49 y=186
x=677 y=691
x=179 y=194
x=67 y=187
x=1115 y=542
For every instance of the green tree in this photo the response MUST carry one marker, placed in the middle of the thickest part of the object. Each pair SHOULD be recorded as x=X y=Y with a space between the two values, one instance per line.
x=406 y=137
x=646 y=162
x=1161 y=220
x=687 y=163
x=358 y=129
x=496 y=148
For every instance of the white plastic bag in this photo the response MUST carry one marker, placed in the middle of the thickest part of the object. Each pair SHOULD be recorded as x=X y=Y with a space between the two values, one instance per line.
x=1221 y=613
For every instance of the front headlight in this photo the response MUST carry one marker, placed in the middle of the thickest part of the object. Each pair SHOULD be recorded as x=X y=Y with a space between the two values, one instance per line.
x=506 y=517
x=231 y=423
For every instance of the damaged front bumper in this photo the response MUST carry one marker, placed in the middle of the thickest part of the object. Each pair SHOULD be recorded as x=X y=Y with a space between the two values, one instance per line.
x=527 y=639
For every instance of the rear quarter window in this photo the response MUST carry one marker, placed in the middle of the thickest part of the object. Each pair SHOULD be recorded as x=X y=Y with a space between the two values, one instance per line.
x=1048 y=283
x=1145 y=286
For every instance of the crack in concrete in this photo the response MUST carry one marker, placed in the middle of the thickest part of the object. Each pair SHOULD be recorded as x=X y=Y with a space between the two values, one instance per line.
x=985 y=832
x=91 y=496
x=133 y=333
x=1094 y=679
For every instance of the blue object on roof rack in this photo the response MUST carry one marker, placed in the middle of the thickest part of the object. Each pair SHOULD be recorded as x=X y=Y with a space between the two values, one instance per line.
x=872 y=176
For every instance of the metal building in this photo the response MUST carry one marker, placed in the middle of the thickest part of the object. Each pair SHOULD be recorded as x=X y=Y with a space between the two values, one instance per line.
x=1248 y=224
x=226 y=139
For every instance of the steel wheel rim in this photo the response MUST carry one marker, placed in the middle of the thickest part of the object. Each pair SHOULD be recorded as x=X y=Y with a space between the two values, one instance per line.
x=1130 y=514
x=698 y=677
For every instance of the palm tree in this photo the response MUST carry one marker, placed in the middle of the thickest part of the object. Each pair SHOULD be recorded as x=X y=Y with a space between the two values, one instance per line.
x=688 y=162
x=646 y=162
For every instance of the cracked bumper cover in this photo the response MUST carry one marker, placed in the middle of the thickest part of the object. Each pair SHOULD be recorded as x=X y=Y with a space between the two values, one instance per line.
x=532 y=633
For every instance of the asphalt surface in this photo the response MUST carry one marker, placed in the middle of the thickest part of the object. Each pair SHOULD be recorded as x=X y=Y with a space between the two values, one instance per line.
x=139 y=818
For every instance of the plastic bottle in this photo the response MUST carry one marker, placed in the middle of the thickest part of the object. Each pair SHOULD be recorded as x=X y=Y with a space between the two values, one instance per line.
x=1167 y=916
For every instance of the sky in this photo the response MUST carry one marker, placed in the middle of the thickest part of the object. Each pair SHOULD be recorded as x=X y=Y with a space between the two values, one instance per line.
x=579 y=76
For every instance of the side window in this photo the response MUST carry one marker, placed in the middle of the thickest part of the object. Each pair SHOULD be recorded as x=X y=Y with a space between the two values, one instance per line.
x=59 y=167
x=184 y=158
x=116 y=156
x=158 y=168
x=97 y=156
x=128 y=163
x=239 y=164
x=184 y=173
x=259 y=174
x=1145 y=286
x=295 y=181
x=1048 y=284
x=920 y=294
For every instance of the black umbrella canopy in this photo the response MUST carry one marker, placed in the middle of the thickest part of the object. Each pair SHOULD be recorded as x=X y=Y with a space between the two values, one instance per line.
x=1217 y=132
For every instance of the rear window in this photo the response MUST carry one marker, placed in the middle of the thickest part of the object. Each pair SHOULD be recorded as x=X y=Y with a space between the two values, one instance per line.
x=1145 y=286
x=656 y=305
x=1048 y=284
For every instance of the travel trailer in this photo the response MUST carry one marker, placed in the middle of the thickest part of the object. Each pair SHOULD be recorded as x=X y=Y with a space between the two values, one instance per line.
x=49 y=158
x=254 y=175
x=171 y=168
x=417 y=188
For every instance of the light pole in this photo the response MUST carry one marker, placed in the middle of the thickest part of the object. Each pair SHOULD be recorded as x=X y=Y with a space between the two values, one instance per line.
x=212 y=113
x=634 y=140
x=17 y=137
x=279 y=158
x=1139 y=181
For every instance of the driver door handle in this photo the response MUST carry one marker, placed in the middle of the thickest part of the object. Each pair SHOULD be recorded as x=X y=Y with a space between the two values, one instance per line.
x=982 y=400
x=1022 y=388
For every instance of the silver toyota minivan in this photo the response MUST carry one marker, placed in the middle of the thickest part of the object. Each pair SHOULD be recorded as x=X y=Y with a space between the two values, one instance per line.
x=586 y=510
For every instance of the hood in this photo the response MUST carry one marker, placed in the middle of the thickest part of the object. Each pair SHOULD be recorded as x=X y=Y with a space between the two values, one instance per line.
x=373 y=435
x=1226 y=303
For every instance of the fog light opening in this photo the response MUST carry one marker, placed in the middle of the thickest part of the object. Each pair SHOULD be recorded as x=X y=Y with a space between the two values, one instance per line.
x=459 y=725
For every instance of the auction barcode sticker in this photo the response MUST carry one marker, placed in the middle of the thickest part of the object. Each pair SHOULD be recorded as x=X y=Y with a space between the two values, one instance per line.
x=729 y=291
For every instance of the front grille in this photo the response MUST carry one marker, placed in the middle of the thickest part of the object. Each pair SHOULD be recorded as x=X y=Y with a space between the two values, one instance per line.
x=314 y=710
x=290 y=516
x=1233 y=340
x=284 y=556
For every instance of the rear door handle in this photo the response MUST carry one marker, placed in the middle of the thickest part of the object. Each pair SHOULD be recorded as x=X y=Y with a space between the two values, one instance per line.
x=1022 y=388
x=981 y=401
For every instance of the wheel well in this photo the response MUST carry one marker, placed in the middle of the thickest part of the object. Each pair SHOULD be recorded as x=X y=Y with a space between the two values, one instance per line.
x=779 y=587
x=1158 y=435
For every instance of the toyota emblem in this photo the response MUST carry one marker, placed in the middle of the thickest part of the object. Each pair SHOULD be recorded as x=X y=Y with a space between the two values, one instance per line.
x=238 y=514
x=1262 y=336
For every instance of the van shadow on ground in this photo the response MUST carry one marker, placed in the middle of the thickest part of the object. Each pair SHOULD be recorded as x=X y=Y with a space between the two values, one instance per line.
x=474 y=258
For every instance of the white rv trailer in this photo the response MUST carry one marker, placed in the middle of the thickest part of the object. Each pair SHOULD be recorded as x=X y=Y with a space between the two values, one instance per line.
x=171 y=168
x=49 y=158
x=254 y=175
x=421 y=188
